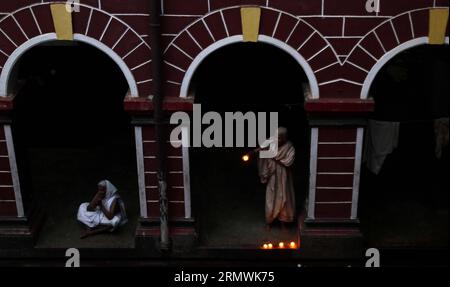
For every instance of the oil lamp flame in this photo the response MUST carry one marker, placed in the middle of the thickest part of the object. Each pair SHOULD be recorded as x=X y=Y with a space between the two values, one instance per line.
x=246 y=158
x=280 y=245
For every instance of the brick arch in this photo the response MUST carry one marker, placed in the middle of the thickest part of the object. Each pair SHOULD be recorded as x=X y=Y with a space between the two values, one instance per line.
x=385 y=41
x=386 y=58
x=33 y=24
x=221 y=27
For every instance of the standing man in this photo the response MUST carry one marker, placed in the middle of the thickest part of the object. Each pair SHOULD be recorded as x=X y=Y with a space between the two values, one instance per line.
x=277 y=175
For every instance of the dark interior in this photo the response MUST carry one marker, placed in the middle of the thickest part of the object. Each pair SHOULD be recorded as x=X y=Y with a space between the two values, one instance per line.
x=406 y=204
x=245 y=77
x=70 y=132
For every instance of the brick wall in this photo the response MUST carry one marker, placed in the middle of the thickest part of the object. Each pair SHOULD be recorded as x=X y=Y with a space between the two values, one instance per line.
x=175 y=179
x=345 y=28
x=7 y=197
x=120 y=25
x=336 y=172
x=339 y=39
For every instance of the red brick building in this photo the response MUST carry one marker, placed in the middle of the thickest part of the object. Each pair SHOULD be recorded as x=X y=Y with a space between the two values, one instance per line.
x=340 y=45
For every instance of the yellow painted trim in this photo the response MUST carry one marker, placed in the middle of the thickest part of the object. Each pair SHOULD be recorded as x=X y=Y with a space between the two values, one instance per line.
x=438 y=25
x=250 y=17
x=62 y=21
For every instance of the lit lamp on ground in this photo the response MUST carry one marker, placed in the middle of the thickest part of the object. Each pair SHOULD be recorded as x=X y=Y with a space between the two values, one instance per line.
x=281 y=245
x=245 y=158
x=267 y=246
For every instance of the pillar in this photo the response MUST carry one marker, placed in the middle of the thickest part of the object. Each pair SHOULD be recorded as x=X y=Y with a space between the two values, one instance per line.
x=20 y=219
x=181 y=221
x=331 y=222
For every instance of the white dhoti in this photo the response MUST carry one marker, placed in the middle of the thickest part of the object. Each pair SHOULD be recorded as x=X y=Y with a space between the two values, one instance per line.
x=276 y=173
x=95 y=218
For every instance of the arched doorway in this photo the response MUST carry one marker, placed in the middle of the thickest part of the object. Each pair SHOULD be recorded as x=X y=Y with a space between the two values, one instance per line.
x=405 y=204
x=70 y=131
x=227 y=197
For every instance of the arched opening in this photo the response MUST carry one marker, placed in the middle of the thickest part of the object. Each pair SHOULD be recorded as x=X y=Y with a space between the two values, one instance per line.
x=404 y=199
x=228 y=199
x=70 y=131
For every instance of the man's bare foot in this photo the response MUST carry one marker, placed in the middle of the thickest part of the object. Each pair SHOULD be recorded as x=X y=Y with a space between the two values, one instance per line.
x=84 y=234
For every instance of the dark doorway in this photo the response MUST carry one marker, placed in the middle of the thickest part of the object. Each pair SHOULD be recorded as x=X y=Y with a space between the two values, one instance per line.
x=228 y=198
x=406 y=204
x=70 y=132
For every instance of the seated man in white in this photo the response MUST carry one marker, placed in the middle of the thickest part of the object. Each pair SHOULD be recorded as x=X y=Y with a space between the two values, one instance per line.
x=104 y=213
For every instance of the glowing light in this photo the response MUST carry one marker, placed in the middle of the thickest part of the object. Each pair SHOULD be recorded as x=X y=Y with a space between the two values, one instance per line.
x=280 y=245
x=245 y=158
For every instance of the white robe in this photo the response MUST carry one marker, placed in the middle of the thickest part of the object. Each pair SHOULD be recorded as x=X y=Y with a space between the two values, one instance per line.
x=280 y=195
x=95 y=218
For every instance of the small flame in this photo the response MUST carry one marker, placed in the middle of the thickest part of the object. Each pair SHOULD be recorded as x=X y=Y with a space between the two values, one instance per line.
x=246 y=158
x=280 y=245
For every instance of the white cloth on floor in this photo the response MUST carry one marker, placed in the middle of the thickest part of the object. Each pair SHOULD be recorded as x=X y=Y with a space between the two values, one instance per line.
x=381 y=139
x=441 y=134
x=97 y=217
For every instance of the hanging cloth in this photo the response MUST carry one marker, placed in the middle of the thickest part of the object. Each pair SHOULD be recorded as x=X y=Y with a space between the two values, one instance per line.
x=381 y=140
x=441 y=135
